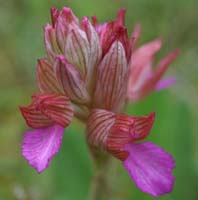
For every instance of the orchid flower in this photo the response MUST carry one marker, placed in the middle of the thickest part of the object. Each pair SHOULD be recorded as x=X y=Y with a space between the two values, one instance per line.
x=143 y=79
x=89 y=73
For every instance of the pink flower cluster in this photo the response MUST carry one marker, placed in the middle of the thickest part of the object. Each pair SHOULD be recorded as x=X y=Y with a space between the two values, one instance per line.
x=91 y=72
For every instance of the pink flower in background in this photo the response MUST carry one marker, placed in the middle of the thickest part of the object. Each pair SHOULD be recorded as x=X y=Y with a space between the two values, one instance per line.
x=143 y=78
x=89 y=73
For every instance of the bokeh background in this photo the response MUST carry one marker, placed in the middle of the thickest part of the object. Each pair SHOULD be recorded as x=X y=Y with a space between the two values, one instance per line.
x=70 y=173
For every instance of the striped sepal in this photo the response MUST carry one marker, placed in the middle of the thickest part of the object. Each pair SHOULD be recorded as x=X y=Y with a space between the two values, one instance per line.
x=46 y=77
x=127 y=129
x=71 y=80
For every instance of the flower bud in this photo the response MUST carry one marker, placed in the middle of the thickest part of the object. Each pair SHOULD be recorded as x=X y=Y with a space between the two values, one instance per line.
x=46 y=78
x=111 y=79
x=71 y=81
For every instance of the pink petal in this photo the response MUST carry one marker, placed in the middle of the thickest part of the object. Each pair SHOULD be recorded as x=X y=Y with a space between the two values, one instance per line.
x=135 y=36
x=46 y=78
x=111 y=79
x=127 y=129
x=141 y=69
x=98 y=126
x=51 y=45
x=40 y=145
x=150 y=168
x=54 y=15
x=77 y=50
x=144 y=54
x=64 y=23
x=56 y=107
x=164 y=83
x=71 y=80
x=34 y=117
x=95 y=50
x=163 y=66
x=121 y=16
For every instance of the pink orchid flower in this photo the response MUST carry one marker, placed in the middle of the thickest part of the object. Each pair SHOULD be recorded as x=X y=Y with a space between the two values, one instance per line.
x=143 y=79
x=85 y=75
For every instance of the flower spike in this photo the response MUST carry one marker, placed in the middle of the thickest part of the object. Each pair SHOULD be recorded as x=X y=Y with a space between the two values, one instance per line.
x=90 y=72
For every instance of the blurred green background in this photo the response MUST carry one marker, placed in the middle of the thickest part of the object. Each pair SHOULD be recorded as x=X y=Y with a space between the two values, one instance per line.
x=70 y=173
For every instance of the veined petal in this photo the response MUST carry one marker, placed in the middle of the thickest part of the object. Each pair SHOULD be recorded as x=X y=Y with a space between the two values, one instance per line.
x=77 y=50
x=95 y=51
x=58 y=108
x=34 y=117
x=112 y=132
x=111 y=79
x=40 y=145
x=150 y=167
x=46 y=78
x=71 y=80
x=65 y=22
x=127 y=129
x=110 y=32
x=51 y=45
x=94 y=42
x=47 y=109
x=98 y=126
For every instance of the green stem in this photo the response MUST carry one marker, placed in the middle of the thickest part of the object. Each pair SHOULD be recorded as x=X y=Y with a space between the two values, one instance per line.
x=100 y=187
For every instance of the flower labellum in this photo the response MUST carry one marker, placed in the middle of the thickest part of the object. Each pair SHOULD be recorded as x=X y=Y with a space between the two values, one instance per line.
x=90 y=72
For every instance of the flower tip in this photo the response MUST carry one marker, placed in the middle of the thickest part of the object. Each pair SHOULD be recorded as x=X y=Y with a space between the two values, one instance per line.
x=142 y=126
x=137 y=29
x=54 y=15
x=60 y=58
x=67 y=10
x=176 y=52
x=47 y=27
x=94 y=20
x=85 y=22
x=158 y=42
x=121 y=15
x=85 y=19
x=152 y=116
x=22 y=109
